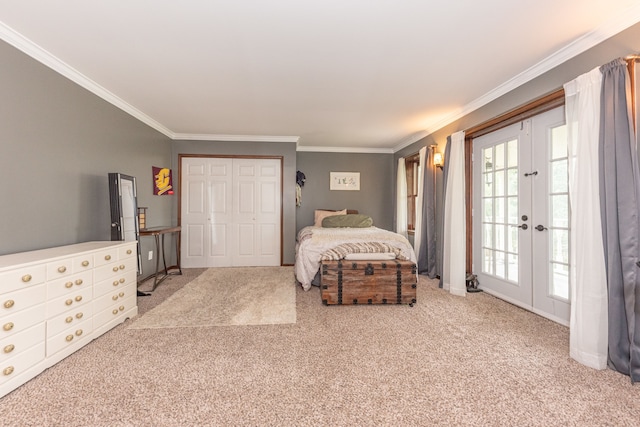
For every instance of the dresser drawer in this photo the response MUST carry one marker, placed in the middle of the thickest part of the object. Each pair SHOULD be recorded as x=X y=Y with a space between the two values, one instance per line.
x=22 y=278
x=16 y=301
x=79 y=332
x=21 y=320
x=17 y=343
x=21 y=362
x=128 y=251
x=68 y=302
x=69 y=284
x=83 y=262
x=116 y=311
x=105 y=257
x=69 y=319
x=59 y=268
x=113 y=269
x=115 y=283
x=114 y=297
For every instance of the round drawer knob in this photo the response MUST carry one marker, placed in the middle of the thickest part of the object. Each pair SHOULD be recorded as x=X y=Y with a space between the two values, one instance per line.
x=115 y=283
x=115 y=311
x=79 y=282
x=9 y=348
x=69 y=338
x=26 y=278
x=121 y=294
x=69 y=319
x=115 y=269
x=121 y=266
x=68 y=285
x=9 y=303
x=115 y=297
x=122 y=280
x=121 y=308
x=62 y=269
x=79 y=298
x=129 y=251
x=79 y=332
x=107 y=257
x=8 y=326
x=8 y=370
x=85 y=263
x=68 y=302
x=79 y=316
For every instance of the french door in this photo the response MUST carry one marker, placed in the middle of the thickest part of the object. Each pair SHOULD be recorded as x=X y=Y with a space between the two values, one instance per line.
x=521 y=214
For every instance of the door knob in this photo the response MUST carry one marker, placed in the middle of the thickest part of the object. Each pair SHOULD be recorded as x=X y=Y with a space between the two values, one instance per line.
x=523 y=226
x=539 y=227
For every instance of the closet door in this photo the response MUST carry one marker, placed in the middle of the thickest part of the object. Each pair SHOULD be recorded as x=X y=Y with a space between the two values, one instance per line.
x=230 y=212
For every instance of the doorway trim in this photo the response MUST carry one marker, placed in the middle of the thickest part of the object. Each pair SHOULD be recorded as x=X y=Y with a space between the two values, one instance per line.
x=231 y=156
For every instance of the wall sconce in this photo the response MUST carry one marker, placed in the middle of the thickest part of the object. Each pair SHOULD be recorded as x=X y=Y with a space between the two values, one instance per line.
x=438 y=160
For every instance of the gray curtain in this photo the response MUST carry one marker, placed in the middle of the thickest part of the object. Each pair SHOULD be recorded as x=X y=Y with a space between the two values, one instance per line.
x=619 y=200
x=445 y=172
x=427 y=257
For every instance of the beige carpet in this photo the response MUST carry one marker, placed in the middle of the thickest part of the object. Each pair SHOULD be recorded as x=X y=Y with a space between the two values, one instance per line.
x=228 y=296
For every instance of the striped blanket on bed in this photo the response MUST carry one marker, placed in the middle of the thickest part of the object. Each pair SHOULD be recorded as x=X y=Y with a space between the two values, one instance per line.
x=341 y=251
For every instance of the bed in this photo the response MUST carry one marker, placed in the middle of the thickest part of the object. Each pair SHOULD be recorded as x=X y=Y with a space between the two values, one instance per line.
x=318 y=243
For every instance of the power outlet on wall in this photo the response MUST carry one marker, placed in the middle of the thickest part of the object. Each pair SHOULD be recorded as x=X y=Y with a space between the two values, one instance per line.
x=150 y=255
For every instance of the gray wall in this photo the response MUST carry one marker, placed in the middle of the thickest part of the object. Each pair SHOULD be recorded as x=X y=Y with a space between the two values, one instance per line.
x=285 y=149
x=620 y=45
x=57 y=145
x=377 y=182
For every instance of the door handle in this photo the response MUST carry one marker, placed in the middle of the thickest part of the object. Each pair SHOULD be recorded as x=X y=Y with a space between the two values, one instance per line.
x=540 y=227
x=523 y=226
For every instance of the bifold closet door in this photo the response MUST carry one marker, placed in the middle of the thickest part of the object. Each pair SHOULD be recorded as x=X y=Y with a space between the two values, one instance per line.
x=230 y=212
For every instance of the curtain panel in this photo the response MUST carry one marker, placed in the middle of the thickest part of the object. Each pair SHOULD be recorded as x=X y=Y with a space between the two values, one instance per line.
x=587 y=277
x=401 y=199
x=619 y=201
x=454 y=235
x=427 y=212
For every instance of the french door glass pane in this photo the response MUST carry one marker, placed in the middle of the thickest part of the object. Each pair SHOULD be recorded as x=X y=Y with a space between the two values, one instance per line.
x=499 y=180
x=559 y=176
x=512 y=210
x=560 y=280
x=500 y=264
x=499 y=214
x=513 y=267
x=559 y=142
x=560 y=246
x=560 y=210
x=500 y=241
x=487 y=210
x=487 y=264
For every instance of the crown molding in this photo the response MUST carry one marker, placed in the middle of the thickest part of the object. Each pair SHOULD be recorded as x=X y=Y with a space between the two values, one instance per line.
x=234 y=138
x=319 y=149
x=41 y=55
x=622 y=21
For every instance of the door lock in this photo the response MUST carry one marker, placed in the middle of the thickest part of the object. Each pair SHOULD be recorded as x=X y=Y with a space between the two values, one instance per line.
x=523 y=226
x=540 y=227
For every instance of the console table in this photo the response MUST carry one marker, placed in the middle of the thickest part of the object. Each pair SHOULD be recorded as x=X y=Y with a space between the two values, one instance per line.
x=158 y=233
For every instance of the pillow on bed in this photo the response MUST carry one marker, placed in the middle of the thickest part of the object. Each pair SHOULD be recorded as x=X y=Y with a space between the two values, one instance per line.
x=320 y=215
x=350 y=220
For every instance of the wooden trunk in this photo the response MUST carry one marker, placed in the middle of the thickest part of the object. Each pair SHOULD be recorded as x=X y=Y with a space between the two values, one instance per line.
x=368 y=282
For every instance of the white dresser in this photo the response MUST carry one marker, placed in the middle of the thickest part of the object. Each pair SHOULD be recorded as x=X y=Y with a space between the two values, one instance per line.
x=54 y=301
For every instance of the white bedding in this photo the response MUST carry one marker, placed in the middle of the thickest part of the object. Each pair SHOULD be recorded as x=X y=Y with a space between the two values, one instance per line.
x=312 y=242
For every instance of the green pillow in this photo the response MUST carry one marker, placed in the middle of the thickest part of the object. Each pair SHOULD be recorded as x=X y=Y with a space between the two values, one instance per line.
x=349 y=220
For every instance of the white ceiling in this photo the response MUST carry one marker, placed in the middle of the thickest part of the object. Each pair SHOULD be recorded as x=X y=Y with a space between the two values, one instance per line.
x=334 y=75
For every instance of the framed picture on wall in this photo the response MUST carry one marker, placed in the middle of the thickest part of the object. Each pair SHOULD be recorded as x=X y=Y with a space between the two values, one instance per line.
x=344 y=181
